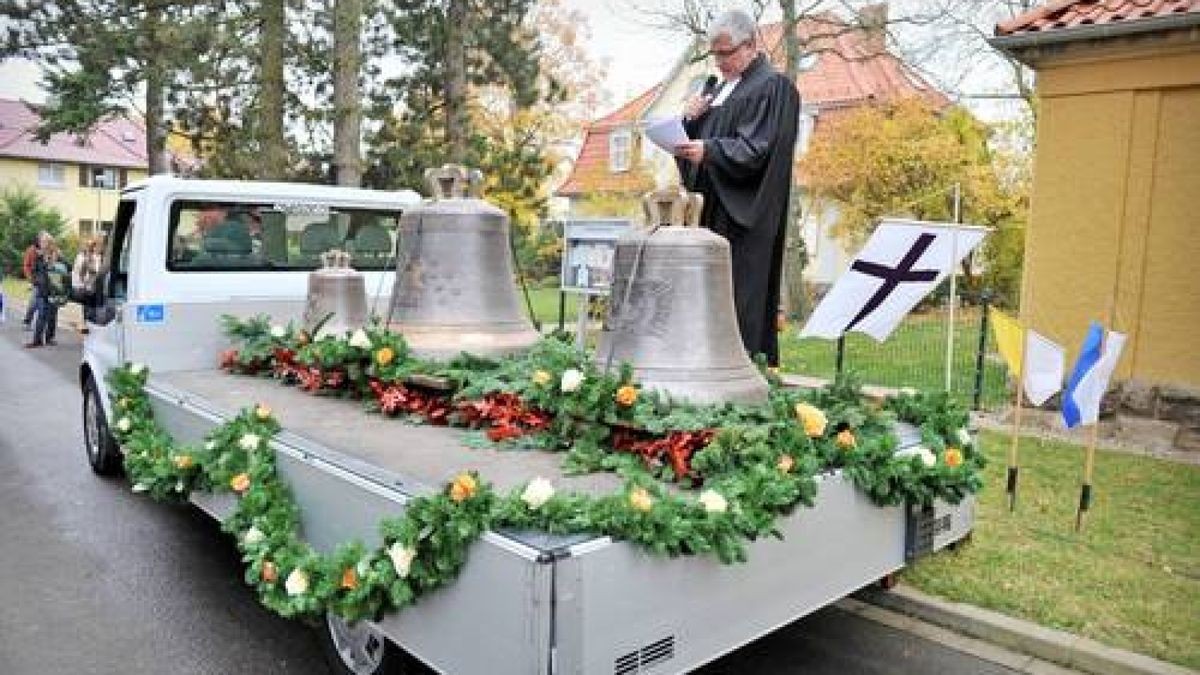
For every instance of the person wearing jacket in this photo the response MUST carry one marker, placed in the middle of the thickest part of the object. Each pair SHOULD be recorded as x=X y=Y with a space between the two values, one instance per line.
x=31 y=255
x=45 y=265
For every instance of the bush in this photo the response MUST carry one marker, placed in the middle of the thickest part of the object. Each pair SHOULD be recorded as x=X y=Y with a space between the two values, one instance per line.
x=22 y=216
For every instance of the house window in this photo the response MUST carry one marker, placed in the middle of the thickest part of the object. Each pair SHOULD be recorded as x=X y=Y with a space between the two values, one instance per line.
x=808 y=121
x=99 y=177
x=620 y=147
x=86 y=228
x=52 y=175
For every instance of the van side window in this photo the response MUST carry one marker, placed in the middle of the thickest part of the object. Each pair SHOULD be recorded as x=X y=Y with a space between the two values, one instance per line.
x=209 y=236
x=117 y=250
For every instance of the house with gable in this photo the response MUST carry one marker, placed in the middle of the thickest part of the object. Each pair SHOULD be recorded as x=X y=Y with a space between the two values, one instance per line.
x=80 y=175
x=844 y=67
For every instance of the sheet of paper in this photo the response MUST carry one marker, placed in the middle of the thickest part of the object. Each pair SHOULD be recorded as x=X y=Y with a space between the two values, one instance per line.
x=666 y=133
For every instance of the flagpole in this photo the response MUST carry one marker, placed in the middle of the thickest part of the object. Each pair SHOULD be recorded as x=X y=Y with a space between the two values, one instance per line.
x=1013 y=468
x=1085 y=491
x=953 y=289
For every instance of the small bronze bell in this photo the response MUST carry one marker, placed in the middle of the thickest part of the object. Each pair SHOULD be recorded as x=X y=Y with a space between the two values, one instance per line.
x=337 y=297
x=671 y=312
x=455 y=289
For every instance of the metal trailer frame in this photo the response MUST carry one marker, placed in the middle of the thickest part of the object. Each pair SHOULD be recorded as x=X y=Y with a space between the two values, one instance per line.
x=534 y=603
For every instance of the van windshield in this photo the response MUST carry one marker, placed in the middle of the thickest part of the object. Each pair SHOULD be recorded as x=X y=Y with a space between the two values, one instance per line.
x=250 y=236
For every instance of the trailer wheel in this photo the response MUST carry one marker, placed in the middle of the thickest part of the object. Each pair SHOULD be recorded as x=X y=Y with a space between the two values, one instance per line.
x=359 y=648
x=101 y=447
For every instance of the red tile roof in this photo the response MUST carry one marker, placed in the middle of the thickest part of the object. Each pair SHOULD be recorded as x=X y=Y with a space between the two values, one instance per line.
x=1066 y=14
x=851 y=70
x=116 y=142
x=590 y=172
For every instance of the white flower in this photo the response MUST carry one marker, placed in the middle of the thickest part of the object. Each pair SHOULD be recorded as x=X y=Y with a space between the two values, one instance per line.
x=124 y=424
x=136 y=368
x=253 y=536
x=140 y=487
x=571 y=379
x=538 y=492
x=249 y=442
x=179 y=487
x=296 y=582
x=359 y=339
x=714 y=502
x=927 y=456
x=210 y=446
x=278 y=331
x=402 y=557
x=964 y=437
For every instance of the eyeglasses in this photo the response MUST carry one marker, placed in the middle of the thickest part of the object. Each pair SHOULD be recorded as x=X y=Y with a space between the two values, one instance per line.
x=726 y=53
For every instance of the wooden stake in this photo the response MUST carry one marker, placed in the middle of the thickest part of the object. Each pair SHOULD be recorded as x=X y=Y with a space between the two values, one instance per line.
x=1013 y=468
x=1085 y=491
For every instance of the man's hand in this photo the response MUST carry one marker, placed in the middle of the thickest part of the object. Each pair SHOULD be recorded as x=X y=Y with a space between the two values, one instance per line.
x=692 y=151
x=696 y=106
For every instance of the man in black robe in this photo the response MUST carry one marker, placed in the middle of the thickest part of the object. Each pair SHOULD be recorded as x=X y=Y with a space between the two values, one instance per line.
x=741 y=161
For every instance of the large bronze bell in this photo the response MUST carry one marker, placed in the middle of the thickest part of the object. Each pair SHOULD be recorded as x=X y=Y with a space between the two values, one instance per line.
x=337 y=297
x=454 y=287
x=671 y=312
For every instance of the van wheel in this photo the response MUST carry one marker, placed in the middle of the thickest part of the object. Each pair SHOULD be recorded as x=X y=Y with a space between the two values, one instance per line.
x=101 y=447
x=359 y=648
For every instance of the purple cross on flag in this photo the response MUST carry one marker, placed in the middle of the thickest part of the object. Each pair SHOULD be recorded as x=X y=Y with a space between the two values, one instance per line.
x=901 y=263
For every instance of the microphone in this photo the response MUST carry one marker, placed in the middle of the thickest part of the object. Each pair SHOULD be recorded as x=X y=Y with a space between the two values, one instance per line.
x=710 y=86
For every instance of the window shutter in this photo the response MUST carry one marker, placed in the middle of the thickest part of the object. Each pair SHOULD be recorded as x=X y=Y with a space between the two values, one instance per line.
x=83 y=175
x=124 y=179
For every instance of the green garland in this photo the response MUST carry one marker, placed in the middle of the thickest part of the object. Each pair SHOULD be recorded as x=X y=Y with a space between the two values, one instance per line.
x=760 y=465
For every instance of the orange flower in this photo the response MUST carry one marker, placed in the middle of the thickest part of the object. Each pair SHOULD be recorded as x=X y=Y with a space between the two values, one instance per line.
x=812 y=419
x=269 y=572
x=845 y=440
x=183 y=462
x=953 y=457
x=463 y=488
x=302 y=338
x=240 y=483
x=262 y=412
x=626 y=395
x=385 y=355
x=349 y=579
x=641 y=500
x=786 y=463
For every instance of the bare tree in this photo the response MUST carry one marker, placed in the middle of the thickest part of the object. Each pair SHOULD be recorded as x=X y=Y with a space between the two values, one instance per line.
x=347 y=106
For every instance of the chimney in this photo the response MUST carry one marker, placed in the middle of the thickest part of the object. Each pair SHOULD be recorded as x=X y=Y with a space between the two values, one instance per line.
x=873 y=19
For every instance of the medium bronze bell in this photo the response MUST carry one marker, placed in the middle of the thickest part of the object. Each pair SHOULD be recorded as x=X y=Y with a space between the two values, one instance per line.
x=454 y=287
x=671 y=312
x=337 y=297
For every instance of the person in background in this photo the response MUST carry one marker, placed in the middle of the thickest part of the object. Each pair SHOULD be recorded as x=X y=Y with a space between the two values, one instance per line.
x=83 y=278
x=46 y=268
x=31 y=255
x=743 y=133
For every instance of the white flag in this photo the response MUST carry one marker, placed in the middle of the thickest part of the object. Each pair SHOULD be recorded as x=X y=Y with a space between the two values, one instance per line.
x=902 y=262
x=1089 y=380
x=1043 y=367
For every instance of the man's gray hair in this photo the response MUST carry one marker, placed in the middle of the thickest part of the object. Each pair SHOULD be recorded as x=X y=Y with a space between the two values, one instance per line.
x=735 y=23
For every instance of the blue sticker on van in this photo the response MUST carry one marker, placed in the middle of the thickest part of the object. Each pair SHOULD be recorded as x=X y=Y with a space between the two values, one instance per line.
x=151 y=314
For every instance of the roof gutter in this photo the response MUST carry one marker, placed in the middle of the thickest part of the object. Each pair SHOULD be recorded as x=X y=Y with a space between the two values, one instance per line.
x=1010 y=43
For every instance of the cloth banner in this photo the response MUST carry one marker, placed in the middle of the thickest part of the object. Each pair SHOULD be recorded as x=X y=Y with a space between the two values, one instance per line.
x=901 y=263
x=1089 y=380
x=1042 y=357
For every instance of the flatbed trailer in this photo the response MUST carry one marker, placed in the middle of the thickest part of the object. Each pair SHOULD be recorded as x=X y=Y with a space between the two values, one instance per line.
x=525 y=602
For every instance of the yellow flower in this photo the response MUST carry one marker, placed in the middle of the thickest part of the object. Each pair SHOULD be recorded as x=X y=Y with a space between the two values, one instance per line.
x=385 y=355
x=626 y=395
x=785 y=463
x=812 y=419
x=122 y=403
x=263 y=412
x=541 y=378
x=240 y=483
x=463 y=488
x=641 y=500
x=349 y=579
x=845 y=440
x=183 y=462
x=953 y=457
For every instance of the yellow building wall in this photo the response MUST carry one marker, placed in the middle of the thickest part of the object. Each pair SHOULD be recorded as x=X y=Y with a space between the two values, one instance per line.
x=74 y=202
x=1115 y=223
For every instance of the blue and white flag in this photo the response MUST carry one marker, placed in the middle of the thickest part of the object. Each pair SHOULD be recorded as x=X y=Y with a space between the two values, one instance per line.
x=1097 y=359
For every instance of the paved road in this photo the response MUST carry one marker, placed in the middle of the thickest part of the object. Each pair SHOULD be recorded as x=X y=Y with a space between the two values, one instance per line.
x=96 y=579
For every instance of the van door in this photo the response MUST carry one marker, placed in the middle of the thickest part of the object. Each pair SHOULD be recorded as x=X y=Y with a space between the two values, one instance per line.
x=106 y=335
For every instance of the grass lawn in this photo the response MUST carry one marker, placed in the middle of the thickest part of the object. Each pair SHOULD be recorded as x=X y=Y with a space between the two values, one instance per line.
x=1131 y=579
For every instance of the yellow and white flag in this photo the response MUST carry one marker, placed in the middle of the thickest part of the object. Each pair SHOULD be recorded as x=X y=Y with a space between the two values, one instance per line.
x=1043 y=359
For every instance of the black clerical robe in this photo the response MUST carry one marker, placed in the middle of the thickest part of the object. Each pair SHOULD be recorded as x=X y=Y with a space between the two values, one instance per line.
x=746 y=177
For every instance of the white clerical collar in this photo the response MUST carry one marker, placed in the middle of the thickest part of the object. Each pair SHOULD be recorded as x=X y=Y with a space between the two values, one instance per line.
x=726 y=90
